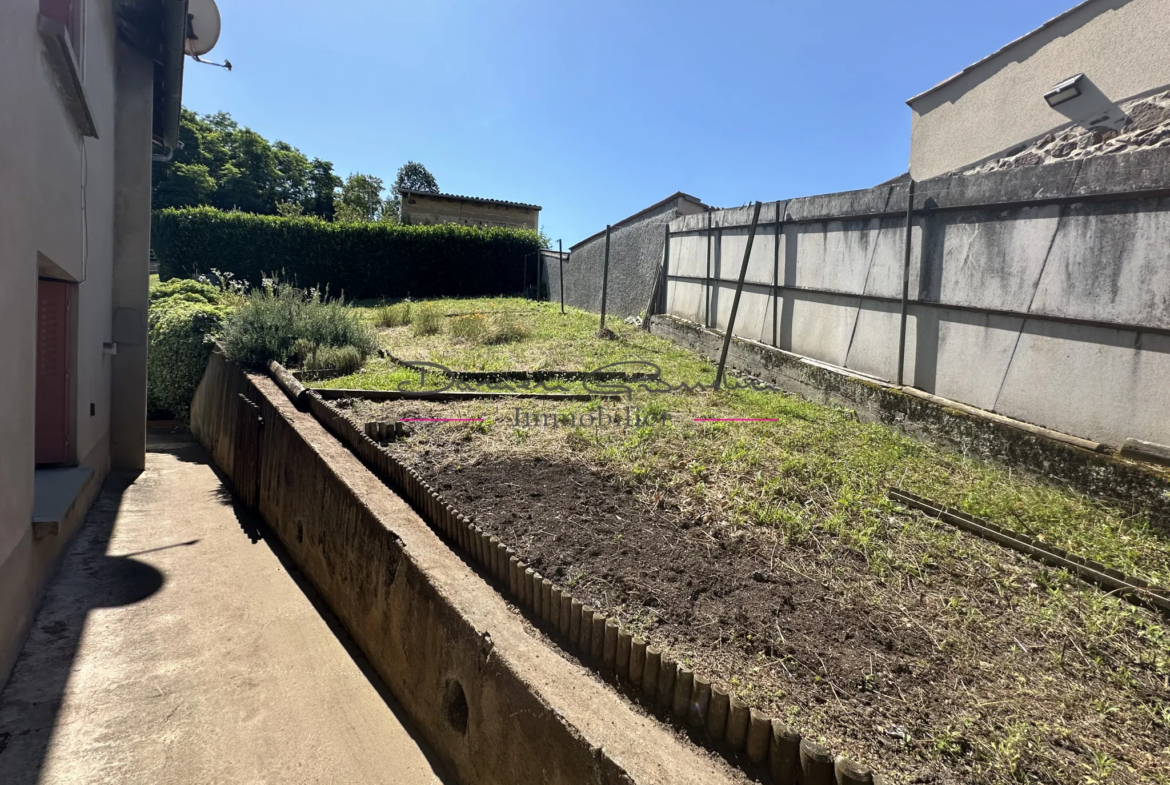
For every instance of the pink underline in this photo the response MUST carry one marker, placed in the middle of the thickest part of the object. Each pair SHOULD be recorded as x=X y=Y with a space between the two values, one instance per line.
x=736 y=419
x=441 y=419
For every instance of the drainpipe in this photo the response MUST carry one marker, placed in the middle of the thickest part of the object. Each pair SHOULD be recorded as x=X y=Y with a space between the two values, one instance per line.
x=174 y=39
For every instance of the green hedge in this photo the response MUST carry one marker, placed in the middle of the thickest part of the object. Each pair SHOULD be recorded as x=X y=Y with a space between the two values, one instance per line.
x=182 y=322
x=363 y=261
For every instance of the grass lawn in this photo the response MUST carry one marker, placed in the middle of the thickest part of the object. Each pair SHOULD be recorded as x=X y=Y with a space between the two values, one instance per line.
x=767 y=555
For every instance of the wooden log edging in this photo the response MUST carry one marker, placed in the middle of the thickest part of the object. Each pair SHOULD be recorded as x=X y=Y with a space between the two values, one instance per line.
x=539 y=376
x=1134 y=589
x=755 y=741
x=334 y=393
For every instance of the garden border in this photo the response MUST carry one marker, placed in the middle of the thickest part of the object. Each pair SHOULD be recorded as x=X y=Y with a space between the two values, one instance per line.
x=755 y=741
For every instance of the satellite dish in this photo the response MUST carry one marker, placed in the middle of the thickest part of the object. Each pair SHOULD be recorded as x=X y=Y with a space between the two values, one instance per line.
x=202 y=27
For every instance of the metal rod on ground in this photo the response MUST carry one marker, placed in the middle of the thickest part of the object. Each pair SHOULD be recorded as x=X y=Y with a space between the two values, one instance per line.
x=605 y=277
x=561 y=258
x=906 y=280
x=747 y=253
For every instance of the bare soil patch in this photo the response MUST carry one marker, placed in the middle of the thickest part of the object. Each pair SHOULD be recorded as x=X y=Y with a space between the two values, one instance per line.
x=975 y=665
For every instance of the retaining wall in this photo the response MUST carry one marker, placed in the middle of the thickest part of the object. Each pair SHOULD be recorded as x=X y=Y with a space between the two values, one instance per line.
x=497 y=704
x=1040 y=293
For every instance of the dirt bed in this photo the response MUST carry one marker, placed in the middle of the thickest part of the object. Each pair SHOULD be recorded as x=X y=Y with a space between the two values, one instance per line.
x=976 y=668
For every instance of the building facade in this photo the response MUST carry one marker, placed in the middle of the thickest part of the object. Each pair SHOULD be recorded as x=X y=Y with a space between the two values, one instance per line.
x=90 y=90
x=424 y=208
x=1120 y=49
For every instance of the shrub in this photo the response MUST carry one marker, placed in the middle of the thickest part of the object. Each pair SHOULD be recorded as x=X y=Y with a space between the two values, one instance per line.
x=361 y=260
x=427 y=320
x=180 y=338
x=186 y=290
x=343 y=360
x=470 y=328
x=392 y=315
x=279 y=322
x=504 y=328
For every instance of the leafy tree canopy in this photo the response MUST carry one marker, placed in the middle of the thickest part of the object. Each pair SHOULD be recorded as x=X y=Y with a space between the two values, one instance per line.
x=220 y=164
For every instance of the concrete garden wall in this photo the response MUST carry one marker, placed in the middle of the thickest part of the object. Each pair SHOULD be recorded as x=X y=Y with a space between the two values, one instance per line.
x=1042 y=293
x=635 y=255
x=496 y=703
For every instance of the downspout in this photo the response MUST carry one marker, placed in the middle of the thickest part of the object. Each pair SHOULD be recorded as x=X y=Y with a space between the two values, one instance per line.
x=174 y=40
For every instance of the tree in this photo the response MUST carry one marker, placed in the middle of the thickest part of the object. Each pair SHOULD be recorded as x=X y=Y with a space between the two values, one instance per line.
x=412 y=176
x=223 y=165
x=322 y=189
x=361 y=199
x=184 y=185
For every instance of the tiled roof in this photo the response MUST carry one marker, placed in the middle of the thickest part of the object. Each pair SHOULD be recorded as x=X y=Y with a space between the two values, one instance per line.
x=477 y=199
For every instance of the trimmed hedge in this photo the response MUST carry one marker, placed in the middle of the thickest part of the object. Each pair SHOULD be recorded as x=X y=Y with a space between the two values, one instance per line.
x=181 y=327
x=361 y=261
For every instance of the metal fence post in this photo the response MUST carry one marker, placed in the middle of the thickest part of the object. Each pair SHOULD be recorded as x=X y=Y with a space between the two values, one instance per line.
x=747 y=253
x=561 y=259
x=707 y=278
x=776 y=278
x=905 y=280
x=605 y=277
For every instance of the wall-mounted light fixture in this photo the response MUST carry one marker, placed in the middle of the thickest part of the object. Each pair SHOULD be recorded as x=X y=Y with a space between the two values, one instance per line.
x=1065 y=91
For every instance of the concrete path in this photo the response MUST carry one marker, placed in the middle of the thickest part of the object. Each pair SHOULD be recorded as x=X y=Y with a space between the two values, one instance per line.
x=175 y=646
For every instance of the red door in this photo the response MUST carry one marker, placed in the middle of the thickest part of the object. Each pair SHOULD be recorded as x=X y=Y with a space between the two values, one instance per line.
x=52 y=424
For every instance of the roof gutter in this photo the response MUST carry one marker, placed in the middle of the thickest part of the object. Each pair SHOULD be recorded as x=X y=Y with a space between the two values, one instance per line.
x=174 y=39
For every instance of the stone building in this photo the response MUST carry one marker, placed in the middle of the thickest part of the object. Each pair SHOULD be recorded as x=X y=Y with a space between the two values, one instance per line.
x=424 y=207
x=1077 y=78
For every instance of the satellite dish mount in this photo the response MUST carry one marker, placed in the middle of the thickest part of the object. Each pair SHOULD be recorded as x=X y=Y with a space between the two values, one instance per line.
x=203 y=28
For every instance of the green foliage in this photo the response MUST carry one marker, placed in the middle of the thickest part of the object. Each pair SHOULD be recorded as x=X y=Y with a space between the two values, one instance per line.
x=397 y=315
x=187 y=290
x=493 y=330
x=279 y=322
x=505 y=328
x=414 y=176
x=427 y=320
x=342 y=360
x=470 y=328
x=361 y=260
x=361 y=199
x=182 y=325
x=222 y=165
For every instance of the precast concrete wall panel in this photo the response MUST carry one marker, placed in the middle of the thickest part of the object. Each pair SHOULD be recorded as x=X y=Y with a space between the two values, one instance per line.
x=1016 y=283
x=688 y=255
x=1110 y=262
x=1091 y=381
x=685 y=299
x=761 y=265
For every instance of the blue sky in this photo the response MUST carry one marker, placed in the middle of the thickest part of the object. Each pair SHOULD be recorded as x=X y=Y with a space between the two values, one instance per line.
x=594 y=110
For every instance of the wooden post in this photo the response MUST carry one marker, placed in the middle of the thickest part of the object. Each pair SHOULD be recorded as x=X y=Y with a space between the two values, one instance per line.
x=747 y=253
